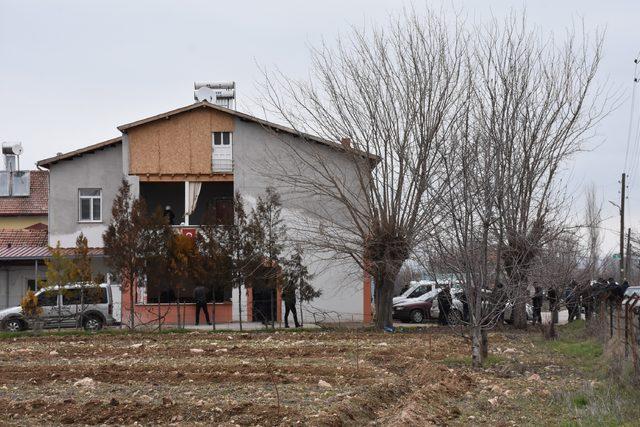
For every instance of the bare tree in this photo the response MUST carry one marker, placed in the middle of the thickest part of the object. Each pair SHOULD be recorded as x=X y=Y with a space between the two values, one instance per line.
x=390 y=96
x=593 y=221
x=539 y=103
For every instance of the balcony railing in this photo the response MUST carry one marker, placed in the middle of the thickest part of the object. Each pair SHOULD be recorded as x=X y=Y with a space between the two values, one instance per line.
x=222 y=165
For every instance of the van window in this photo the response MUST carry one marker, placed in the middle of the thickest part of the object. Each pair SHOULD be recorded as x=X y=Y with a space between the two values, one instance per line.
x=71 y=297
x=95 y=295
x=48 y=299
x=420 y=290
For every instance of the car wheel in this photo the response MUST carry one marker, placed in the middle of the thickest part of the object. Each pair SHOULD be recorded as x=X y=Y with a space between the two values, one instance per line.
x=93 y=323
x=14 y=325
x=417 y=316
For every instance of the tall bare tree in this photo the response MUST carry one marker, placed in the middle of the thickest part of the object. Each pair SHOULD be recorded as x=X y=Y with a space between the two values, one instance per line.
x=390 y=95
x=593 y=221
x=538 y=102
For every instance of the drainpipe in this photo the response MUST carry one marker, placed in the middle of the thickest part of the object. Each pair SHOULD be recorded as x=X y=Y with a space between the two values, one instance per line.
x=186 y=202
x=36 y=280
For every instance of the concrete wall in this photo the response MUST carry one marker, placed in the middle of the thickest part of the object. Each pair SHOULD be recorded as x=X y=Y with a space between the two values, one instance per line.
x=101 y=169
x=19 y=222
x=257 y=154
x=13 y=283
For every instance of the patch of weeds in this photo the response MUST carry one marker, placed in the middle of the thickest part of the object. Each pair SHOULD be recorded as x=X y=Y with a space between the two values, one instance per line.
x=580 y=400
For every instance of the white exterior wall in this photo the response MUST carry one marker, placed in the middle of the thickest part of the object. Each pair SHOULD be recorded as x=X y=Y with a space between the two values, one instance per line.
x=342 y=281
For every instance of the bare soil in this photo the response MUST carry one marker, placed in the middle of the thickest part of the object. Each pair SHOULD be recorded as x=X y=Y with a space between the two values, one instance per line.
x=406 y=378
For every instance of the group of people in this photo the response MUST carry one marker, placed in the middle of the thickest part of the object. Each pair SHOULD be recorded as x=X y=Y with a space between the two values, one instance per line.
x=288 y=297
x=576 y=298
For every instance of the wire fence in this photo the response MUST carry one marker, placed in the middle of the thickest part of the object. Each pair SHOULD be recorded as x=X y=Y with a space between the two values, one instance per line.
x=620 y=330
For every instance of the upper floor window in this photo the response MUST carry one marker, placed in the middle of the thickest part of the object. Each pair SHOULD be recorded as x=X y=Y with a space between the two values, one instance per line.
x=90 y=204
x=222 y=138
x=222 y=160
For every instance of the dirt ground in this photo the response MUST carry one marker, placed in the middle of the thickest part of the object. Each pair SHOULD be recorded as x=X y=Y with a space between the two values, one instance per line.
x=346 y=377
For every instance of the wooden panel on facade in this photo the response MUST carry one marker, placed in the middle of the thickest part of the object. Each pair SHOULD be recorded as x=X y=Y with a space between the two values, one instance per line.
x=180 y=144
x=219 y=177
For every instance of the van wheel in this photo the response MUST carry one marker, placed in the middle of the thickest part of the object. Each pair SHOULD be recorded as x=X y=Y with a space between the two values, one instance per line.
x=14 y=325
x=93 y=323
x=417 y=316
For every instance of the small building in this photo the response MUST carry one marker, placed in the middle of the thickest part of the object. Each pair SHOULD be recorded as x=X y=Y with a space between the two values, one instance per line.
x=190 y=159
x=24 y=198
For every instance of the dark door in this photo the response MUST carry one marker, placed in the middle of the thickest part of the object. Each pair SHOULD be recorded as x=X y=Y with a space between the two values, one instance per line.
x=264 y=304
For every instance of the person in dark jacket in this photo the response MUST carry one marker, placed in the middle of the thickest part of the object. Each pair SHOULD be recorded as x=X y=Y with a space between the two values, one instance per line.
x=169 y=215
x=536 y=301
x=444 y=305
x=465 y=305
x=572 y=300
x=200 y=296
x=289 y=298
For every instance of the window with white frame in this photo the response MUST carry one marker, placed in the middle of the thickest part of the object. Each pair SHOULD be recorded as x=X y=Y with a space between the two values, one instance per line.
x=90 y=204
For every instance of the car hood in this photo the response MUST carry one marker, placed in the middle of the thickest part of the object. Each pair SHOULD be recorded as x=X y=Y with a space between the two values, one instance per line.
x=11 y=310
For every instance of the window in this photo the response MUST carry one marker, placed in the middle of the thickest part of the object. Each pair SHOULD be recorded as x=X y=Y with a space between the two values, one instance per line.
x=95 y=295
x=71 y=297
x=222 y=138
x=90 y=204
x=48 y=299
x=32 y=285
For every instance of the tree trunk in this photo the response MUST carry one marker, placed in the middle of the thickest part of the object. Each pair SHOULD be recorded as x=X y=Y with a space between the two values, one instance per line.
x=383 y=302
x=484 y=344
x=519 y=313
x=476 y=347
x=131 y=303
x=240 y=306
x=213 y=308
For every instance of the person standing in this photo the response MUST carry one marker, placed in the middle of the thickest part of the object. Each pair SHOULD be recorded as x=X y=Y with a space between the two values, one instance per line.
x=444 y=305
x=536 y=301
x=571 y=299
x=169 y=215
x=289 y=297
x=200 y=296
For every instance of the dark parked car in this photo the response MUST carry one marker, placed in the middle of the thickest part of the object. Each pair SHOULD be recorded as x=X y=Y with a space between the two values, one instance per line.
x=423 y=308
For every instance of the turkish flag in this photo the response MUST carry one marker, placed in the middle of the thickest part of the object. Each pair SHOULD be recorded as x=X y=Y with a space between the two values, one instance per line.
x=189 y=232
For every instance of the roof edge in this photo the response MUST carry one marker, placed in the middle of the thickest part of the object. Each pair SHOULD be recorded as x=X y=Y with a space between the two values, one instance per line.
x=46 y=163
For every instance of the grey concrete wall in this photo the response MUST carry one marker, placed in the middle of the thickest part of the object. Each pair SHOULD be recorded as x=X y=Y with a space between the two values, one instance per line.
x=259 y=157
x=101 y=169
x=13 y=283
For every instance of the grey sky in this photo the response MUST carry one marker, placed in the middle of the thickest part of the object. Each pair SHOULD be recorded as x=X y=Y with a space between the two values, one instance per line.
x=71 y=71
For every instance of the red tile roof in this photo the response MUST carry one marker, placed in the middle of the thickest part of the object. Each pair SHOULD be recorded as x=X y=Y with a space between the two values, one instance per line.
x=37 y=203
x=23 y=237
x=15 y=253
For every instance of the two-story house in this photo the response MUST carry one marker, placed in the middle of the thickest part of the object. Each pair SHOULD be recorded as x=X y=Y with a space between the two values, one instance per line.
x=185 y=161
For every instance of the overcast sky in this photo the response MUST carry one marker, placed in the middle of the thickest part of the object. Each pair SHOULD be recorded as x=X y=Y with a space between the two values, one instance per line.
x=71 y=71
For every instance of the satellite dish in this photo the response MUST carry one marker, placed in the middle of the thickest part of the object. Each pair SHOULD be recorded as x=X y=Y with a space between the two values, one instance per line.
x=17 y=149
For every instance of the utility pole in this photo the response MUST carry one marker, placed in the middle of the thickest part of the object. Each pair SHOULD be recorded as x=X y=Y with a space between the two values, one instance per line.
x=627 y=267
x=622 y=197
